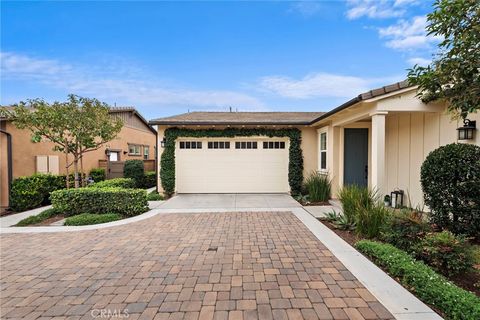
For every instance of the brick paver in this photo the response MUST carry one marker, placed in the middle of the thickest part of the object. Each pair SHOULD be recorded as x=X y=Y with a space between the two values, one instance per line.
x=242 y=265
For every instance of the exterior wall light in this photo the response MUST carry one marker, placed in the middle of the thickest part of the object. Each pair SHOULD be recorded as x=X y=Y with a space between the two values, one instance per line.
x=466 y=132
x=162 y=143
x=396 y=198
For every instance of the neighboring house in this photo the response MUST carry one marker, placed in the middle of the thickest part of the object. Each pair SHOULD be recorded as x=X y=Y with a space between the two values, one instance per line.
x=136 y=140
x=378 y=139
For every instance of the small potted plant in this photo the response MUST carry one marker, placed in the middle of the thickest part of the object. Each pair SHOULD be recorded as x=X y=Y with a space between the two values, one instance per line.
x=386 y=200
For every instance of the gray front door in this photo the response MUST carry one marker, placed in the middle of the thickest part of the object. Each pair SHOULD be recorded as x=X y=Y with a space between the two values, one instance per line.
x=355 y=165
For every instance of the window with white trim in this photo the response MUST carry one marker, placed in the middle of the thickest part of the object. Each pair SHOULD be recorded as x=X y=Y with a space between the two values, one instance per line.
x=246 y=145
x=146 y=152
x=218 y=145
x=323 y=151
x=274 y=145
x=190 y=145
x=134 y=149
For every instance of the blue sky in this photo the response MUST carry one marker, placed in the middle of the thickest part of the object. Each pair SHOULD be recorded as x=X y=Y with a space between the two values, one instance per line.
x=166 y=58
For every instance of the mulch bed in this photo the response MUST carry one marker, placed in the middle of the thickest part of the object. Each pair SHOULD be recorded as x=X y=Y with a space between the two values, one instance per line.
x=49 y=221
x=468 y=281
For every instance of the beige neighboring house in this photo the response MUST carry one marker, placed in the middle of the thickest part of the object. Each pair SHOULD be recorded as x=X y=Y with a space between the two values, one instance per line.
x=136 y=140
x=378 y=139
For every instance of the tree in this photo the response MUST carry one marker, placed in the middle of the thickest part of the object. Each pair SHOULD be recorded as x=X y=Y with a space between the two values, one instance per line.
x=77 y=126
x=454 y=74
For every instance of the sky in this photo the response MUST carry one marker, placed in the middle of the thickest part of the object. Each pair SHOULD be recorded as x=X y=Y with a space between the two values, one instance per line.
x=166 y=58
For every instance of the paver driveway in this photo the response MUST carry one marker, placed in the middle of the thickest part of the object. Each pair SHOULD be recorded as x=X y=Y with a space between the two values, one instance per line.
x=266 y=265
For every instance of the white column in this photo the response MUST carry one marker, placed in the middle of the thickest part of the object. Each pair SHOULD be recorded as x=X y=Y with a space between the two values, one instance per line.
x=377 y=167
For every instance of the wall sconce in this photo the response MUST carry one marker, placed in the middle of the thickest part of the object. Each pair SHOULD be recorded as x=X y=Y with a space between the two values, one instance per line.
x=162 y=143
x=107 y=152
x=466 y=132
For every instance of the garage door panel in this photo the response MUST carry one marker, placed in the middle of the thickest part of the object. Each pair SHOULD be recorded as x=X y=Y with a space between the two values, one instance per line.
x=231 y=170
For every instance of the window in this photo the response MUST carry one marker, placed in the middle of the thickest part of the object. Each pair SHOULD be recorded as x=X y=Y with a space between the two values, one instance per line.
x=146 y=152
x=274 y=145
x=246 y=145
x=190 y=145
x=134 y=149
x=218 y=145
x=323 y=151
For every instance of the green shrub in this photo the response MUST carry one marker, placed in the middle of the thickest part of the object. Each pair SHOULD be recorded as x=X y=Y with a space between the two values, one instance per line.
x=125 y=183
x=318 y=186
x=34 y=191
x=97 y=174
x=429 y=286
x=150 y=179
x=134 y=169
x=446 y=253
x=354 y=197
x=154 y=196
x=91 y=218
x=44 y=215
x=128 y=202
x=370 y=220
x=450 y=178
x=405 y=229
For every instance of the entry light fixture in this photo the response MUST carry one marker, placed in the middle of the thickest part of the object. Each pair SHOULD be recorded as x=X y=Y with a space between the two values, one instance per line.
x=162 y=143
x=467 y=131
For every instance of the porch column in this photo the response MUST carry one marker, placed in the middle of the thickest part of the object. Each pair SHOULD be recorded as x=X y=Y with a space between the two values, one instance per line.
x=378 y=173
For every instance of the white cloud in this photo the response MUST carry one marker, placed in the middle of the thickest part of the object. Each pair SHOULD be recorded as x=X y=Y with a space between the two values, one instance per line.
x=306 y=8
x=377 y=9
x=320 y=85
x=117 y=82
x=407 y=34
x=418 y=60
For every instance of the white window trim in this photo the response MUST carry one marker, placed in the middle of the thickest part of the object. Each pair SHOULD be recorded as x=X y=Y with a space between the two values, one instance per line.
x=321 y=131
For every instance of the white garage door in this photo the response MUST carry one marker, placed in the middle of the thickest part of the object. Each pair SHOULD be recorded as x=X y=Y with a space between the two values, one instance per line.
x=232 y=166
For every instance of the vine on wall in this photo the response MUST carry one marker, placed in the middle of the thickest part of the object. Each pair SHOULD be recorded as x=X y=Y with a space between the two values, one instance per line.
x=295 y=165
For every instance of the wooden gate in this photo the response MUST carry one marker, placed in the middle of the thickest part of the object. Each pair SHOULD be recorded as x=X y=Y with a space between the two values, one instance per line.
x=116 y=169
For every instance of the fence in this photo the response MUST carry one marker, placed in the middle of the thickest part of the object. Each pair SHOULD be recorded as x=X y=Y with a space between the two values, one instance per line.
x=115 y=169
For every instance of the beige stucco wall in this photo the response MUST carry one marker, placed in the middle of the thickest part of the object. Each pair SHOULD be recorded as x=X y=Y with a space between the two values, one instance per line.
x=410 y=137
x=308 y=145
x=25 y=152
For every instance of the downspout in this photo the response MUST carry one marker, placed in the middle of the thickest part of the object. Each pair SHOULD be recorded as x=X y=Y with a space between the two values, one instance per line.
x=9 y=161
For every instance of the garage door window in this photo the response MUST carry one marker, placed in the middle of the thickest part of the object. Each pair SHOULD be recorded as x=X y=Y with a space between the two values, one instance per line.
x=190 y=145
x=246 y=145
x=274 y=145
x=218 y=145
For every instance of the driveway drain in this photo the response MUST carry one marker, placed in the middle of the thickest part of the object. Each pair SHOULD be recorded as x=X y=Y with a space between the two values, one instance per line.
x=212 y=249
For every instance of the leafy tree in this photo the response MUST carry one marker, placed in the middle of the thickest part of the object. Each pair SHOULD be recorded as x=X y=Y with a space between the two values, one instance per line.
x=76 y=126
x=454 y=74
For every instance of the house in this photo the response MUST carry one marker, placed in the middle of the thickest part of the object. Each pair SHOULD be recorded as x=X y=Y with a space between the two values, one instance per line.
x=136 y=140
x=378 y=139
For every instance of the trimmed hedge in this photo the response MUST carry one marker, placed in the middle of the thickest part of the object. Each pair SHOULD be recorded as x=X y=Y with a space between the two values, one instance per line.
x=134 y=169
x=128 y=202
x=154 y=196
x=295 y=165
x=450 y=177
x=429 y=286
x=150 y=179
x=34 y=191
x=85 y=219
x=97 y=174
x=125 y=183
x=44 y=215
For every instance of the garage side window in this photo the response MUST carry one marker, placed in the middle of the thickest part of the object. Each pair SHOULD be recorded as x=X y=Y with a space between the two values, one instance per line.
x=246 y=145
x=218 y=145
x=323 y=151
x=190 y=145
x=274 y=145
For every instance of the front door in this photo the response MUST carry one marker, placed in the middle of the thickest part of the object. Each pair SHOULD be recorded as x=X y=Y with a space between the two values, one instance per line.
x=355 y=165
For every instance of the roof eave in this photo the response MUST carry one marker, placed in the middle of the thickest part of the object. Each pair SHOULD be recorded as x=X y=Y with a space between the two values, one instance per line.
x=226 y=123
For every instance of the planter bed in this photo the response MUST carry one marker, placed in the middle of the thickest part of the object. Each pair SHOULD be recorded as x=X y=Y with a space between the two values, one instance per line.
x=467 y=280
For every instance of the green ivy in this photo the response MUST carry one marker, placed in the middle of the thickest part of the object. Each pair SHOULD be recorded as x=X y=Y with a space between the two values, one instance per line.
x=295 y=166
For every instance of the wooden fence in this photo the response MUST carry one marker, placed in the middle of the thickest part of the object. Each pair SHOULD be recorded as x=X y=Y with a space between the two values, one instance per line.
x=115 y=169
